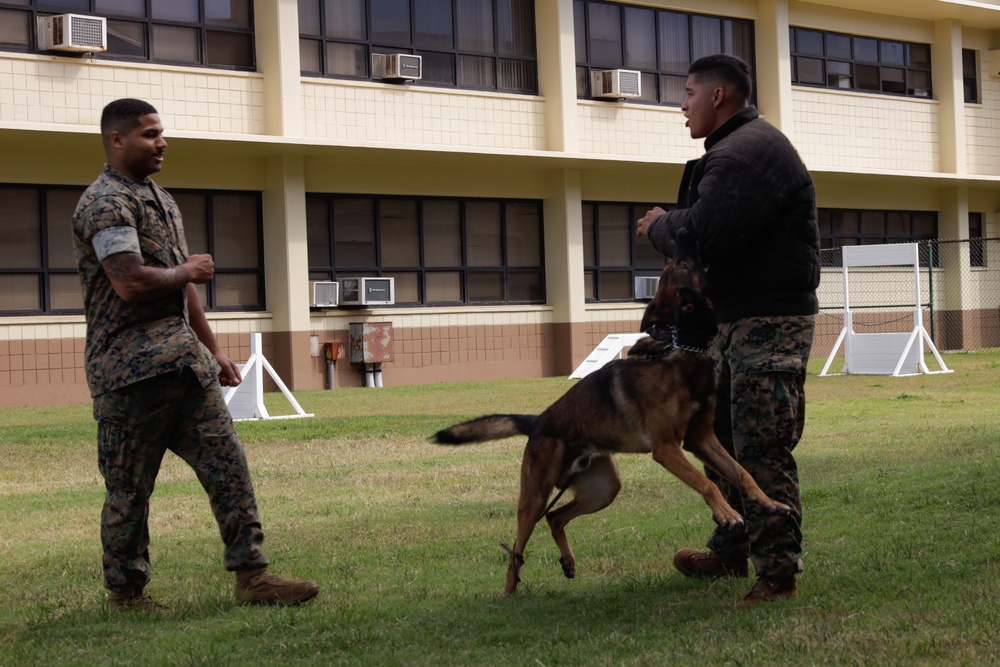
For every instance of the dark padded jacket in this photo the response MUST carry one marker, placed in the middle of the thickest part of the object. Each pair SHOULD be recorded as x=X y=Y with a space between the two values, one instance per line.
x=752 y=206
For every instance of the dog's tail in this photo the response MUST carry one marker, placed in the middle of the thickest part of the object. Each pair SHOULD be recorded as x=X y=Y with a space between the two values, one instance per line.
x=481 y=429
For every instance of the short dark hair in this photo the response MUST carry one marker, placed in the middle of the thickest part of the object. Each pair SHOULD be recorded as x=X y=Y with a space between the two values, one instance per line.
x=722 y=68
x=122 y=115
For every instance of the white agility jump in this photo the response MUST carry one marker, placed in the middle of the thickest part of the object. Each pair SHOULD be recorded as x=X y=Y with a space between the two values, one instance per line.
x=246 y=400
x=894 y=354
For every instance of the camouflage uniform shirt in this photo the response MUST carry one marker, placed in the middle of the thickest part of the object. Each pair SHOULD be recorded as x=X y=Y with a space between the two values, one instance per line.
x=129 y=342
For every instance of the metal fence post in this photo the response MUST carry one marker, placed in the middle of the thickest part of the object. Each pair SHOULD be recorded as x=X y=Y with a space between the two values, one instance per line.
x=930 y=286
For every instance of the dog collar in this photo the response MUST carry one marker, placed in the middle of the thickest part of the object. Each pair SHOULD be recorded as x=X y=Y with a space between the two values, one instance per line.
x=661 y=335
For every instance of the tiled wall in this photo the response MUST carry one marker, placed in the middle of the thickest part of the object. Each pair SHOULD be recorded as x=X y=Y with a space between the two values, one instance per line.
x=44 y=89
x=42 y=363
x=981 y=123
x=375 y=113
x=610 y=128
x=848 y=130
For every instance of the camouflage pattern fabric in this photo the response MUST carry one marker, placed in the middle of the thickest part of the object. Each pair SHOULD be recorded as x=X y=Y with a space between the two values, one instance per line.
x=760 y=371
x=136 y=426
x=128 y=342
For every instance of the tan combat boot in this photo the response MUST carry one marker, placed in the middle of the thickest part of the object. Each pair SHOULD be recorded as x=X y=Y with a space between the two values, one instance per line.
x=258 y=586
x=709 y=565
x=133 y=601
x=768 y=589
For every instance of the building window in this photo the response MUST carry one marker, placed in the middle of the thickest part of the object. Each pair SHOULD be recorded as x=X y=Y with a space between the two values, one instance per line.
x=612 y=254
x=37 y=266
x=38 y=269
x=230 y=227
x=212 y=33
x=866 y=64
x=970 y=76
x=660 y=44
x=478 y=44
x=977 y=251
x=845 y=227
x=439 y=251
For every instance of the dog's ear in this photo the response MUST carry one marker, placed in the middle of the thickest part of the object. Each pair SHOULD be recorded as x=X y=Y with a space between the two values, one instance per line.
x=686 y=245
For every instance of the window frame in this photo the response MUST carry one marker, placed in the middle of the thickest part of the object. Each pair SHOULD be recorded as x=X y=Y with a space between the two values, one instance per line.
x=466 y=269
x=593 y=271
x=44 y=271
x=36 y=8
x=829 y=236
x=370 y=45
x=586 y=64
x=970 y=77
x=208 y=292
x=881 y=63
x=977 y=249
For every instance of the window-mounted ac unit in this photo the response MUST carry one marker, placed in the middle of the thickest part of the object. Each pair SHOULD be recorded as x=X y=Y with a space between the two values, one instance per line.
x=73 y=33
x=397 y=66
x=325 y=294
x=645 y=287
x=367 y=291
x=617 y=83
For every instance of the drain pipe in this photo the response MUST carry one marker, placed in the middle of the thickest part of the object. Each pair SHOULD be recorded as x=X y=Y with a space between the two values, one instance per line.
x=334 y=351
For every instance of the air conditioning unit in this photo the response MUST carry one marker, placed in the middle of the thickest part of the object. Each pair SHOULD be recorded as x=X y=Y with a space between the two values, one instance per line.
x=367 y=291
x=325 y=294
x=73 y=33
x=617 y=83
x=397 y=66
x=645 y=287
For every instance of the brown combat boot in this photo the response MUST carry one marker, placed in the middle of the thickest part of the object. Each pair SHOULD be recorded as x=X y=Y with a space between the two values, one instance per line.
x=709 y=565
x=258 y=586
x=133 y=601
x=769 y=590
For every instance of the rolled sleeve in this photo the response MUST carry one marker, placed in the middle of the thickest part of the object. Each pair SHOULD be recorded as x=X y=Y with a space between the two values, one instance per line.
x=114 y=240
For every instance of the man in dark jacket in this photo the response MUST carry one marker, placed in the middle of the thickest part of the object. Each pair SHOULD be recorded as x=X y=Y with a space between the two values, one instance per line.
x=752 y=206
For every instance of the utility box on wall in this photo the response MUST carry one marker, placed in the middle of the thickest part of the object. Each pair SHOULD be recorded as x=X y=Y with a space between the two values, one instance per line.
x=370 y=342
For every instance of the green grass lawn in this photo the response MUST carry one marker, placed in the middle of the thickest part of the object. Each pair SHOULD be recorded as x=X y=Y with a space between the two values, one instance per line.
x=900 y=486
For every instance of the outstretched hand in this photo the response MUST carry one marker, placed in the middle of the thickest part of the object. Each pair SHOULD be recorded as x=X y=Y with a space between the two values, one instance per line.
x=643 y=223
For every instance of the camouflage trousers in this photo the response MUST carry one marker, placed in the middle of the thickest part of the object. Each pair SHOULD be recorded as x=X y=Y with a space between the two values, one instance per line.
x=760 y=373
x=136 y=426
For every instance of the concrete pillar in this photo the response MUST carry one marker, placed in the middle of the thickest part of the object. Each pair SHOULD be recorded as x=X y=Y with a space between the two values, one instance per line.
x=557 y=72
x=954 y=300
x=946 y=73
x=774 y=69
x=564 y=284
x=276 y=27
x=287 y=271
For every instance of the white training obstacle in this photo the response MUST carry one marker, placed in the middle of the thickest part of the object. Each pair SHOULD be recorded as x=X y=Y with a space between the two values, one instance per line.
x=246 y=400
x=607 y=350
x=894 y=353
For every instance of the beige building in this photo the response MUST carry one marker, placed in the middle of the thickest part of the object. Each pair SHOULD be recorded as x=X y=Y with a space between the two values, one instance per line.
x=498 y=190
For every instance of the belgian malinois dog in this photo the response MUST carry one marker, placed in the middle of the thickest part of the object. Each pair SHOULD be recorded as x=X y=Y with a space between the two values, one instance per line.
x=660 y=397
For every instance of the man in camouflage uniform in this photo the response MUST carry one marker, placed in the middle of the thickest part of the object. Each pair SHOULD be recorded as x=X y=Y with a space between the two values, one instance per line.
x=752 y=206
x=155 y=370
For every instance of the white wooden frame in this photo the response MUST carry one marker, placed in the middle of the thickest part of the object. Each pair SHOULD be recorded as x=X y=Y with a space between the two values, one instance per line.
x=894 y=354
x=246 y=400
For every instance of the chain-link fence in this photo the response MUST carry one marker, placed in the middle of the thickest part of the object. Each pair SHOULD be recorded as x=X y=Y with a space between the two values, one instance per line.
x=959 y=296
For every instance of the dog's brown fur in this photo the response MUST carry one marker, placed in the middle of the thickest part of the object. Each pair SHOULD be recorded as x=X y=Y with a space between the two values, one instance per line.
x=659 y=397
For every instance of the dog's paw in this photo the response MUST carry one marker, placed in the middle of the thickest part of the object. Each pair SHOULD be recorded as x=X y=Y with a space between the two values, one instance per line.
x=774 y=507
x=568 y=567
x=726 y=516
